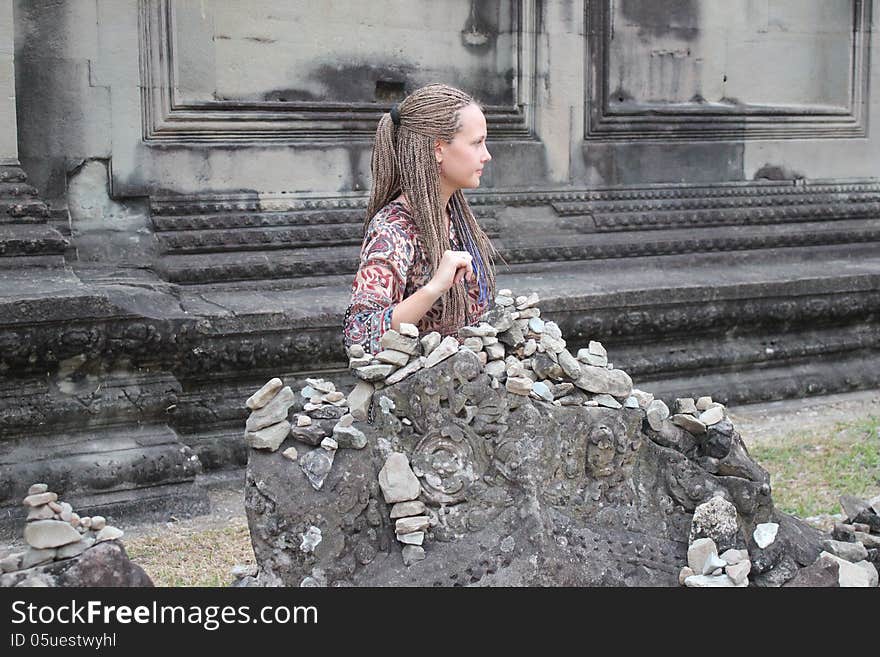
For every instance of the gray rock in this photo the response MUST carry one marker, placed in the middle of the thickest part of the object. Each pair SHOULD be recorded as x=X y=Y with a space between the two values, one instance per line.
x=356 y=351
x=394 y=341
x=310 y=435
x=870 y=541
x=42 y=534
x=495 y=351
x=703 y=403
x=373 y=373
x=739 y=572
x=359 y=400
x=482 y=330
x=397 y=481
x=109 y=533
x=699 y=552
x=733 y=556
x=290 y=453
x=824 y=572
x=412 y=538
x=713 y=565
x=39 y=499
x=273 y=412
x=36 y=489
x=685 y=405
x=852 y=552
x=474 y=344
x=536 y=325
x=349 y=437
x=430 y=342
x=684 y=573
x=409 y=330
x=689 y=423
x=569 y=365
x=657 y=414
x=406 y=509
x=43 y=512
x=264 y=395
x=607 y=401
x=587 y=358
x=765 y=534
x=269 y=437
x=329 y=444
x=710 y=581
x=871 y=571
x=410 y=524
x=11 y=562
x=712 y=416
x=715 y=519
x=363 y=361
x=874 y=504
x=603 y=381
x=98 y=523
x=496 y=369
x=36 y=556
x=631 y=402
x=412 y=554
x=552 y=346
x=527 y=301
x=644 y=398
x=444 y=350
x=513 y=337
x=853 y=575
x=596 y=348
x=852 y=506
x=316 y=465
x=393 y=357
x=519 y=385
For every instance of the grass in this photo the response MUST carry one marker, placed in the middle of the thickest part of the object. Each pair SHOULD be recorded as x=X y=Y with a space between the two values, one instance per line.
x=809 y=471
x=194 y=556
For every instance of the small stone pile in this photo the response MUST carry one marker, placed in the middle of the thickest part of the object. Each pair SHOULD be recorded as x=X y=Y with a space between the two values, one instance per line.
x=325 y=422
x=54 y=531
x=855 y=544
x=695 y=417
x=515 y=347
x=401 y=487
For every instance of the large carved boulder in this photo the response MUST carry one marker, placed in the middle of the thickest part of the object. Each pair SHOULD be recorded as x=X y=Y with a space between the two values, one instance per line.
x=512 y=489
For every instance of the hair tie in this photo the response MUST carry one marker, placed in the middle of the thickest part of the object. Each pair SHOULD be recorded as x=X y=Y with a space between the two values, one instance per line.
x=395 y=114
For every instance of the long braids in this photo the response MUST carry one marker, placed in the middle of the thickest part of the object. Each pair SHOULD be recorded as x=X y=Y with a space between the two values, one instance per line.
x=403 y=161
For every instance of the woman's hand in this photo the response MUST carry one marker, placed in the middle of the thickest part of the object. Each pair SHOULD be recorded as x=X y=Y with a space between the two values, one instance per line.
x=454 y=265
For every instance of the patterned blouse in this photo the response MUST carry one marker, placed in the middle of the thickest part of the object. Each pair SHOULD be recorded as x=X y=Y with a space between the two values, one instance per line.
x=393 y=265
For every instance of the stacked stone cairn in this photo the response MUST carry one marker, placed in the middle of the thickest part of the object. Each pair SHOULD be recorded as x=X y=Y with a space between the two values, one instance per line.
x=54 y=531
x=854 y=546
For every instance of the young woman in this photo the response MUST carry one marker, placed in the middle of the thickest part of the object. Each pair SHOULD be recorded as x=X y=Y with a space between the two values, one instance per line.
x=424 y=259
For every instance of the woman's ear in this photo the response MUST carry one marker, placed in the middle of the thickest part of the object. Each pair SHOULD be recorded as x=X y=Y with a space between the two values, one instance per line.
x=438 y=150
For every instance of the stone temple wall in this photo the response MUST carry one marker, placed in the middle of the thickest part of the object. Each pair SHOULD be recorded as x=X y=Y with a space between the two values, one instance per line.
x=694 y=185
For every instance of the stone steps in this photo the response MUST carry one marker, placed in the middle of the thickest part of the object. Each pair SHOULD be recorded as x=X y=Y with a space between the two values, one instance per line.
x=262 y=263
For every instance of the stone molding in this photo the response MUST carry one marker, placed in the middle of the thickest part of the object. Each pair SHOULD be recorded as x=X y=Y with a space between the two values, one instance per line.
x=656 y=121
x=167 y=117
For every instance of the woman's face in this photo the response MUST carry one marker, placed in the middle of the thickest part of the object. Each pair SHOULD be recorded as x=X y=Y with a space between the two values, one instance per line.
x=462 y=159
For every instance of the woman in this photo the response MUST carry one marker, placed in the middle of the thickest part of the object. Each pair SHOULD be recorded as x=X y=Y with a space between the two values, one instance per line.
x=424 y=259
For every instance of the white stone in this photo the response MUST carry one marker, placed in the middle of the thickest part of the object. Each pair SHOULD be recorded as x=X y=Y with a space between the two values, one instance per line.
x=607 y=401
x=712 y=416
x=394 y=357
x=411 y=524
x=406 y=509
x=332 y=397
x=109 y=533
x=733 y=556
x=475 y=344
x=527 y=302
x=765 y=534
x=311 y=538
x=685 y=405
x=657 y=413
x=356 y=351
x=444 y=350
x=66 y=511
x=412 y=554
x=597 y=349
x=703 y=403
x=699 y=552
x=430 y=342
x=408 y=330
x=542 y=390
x=713 y=562
x=43 y=512
x=519 y=385
x=852 y=575
x=290 y=453
x=495 y=351
x=373 y=373
x=264 y=395
x=411 y=538
x=98 y=523
x=711 y=581
x=739 y=572
x=322 y=385
x=644 y=398
x=273 y=412
x=397 y=480
x=603 y=381
x=689 y=423
x=394 y=341
x=36 y=489
x=303 y=420
x=329 y=444
x=42 y=534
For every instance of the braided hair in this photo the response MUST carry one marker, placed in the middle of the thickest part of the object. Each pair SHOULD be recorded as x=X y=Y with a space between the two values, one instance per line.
x=403 y=161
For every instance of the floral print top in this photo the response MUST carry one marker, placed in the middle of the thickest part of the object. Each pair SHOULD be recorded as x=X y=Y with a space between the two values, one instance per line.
x=393 y=265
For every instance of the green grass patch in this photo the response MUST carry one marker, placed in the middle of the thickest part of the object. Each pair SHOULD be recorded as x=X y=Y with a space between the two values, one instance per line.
x=809 y=471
